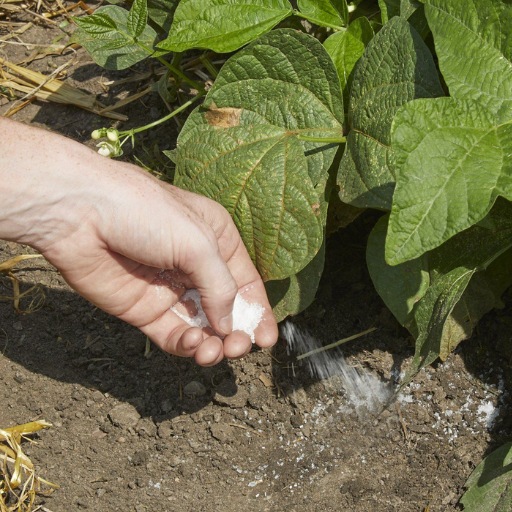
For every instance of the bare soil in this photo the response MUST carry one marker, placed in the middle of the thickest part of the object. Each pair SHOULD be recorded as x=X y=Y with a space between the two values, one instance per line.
x=138 y=431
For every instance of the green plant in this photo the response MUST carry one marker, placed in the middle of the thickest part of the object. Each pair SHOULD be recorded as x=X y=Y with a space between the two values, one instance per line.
x=362 y=110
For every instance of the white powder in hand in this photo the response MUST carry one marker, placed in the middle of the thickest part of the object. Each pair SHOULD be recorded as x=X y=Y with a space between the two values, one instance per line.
x=246 y=317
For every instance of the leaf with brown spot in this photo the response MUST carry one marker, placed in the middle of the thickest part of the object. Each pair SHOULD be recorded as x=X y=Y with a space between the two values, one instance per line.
x=242 y=148
x=225 y=117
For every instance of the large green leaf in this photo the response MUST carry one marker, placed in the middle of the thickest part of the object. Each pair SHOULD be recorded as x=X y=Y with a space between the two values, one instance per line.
x=346 y=48
x=223 y=25
x=295 y=293
x=114 y=48
x=395 y=68
x=322 y=12
x=401 y=286
x=242 y=147
x=474 y=47
x=453 y=162
x=489 y=487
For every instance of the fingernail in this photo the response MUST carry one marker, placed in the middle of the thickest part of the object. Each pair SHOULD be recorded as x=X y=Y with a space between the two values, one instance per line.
x=226 y=324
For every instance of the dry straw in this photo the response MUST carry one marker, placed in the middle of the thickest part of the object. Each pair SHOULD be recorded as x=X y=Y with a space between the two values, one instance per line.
x=19 y=484
x=34 y=293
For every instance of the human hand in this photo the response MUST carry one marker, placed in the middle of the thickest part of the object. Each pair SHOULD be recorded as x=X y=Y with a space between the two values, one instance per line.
x=111 y=228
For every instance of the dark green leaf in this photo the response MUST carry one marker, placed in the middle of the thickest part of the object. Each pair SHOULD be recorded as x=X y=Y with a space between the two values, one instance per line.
x=414 y=12
x=395 y=68
x=117 y=57
x=389 y=9
x=224 y=25
x=474 y=46
x=346 y=48
x=432 y=314
x=137 y=18
x=241 y=148
x=401 y=286
x=162 y=12
x=342 y=10
x=453 y=162
x=489 y=487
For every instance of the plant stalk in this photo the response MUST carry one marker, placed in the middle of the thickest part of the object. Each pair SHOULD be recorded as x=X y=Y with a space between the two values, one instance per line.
x=173 y=69
x=133 y=131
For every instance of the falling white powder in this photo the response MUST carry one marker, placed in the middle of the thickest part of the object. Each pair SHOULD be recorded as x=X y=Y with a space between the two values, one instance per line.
x=364 y=391
x=246 y=316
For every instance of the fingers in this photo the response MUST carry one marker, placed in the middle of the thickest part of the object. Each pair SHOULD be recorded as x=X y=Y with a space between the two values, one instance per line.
x=252 y=289
x=232 y=250
x=237 y=345
x=212 y=278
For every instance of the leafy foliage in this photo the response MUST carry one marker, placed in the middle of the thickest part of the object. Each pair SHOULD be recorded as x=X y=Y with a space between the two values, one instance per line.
x=489 y=487
x=288 y=119
x=395 y=68
x=268 y=141
x=346 y=48
x=137 y=18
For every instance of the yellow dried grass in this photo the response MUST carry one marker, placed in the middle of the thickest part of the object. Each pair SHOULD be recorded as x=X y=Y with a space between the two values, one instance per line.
x=52 y=89
x=19 y=485
x=35 y=293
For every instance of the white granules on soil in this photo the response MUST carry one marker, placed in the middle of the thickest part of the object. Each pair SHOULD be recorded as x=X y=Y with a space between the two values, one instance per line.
x=364 y=391
x=246 y=316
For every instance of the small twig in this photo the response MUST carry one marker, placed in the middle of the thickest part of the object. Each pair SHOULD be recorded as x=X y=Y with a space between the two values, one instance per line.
x=58 y=46
x=335 y=344
x=402 y=422
x=48 y=20
x=249 y=429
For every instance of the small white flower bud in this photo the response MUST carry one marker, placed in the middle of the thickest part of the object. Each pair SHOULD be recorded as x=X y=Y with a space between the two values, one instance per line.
x=106 y=149
x=112 y=135
x=96 y=134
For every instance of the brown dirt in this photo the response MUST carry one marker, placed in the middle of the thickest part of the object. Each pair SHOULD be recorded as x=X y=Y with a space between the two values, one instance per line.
x=129 y=435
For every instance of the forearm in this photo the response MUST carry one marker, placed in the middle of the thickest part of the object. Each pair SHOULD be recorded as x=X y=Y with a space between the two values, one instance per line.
x=46 y=184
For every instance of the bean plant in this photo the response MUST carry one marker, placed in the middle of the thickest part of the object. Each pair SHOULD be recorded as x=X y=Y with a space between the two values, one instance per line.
x=404 y=106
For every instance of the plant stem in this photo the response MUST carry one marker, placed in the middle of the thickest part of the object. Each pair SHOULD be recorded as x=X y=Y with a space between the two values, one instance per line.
x=173 y=69
x=317 y=21
x=208 y=65
x=327 y=140
x=133 y=131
